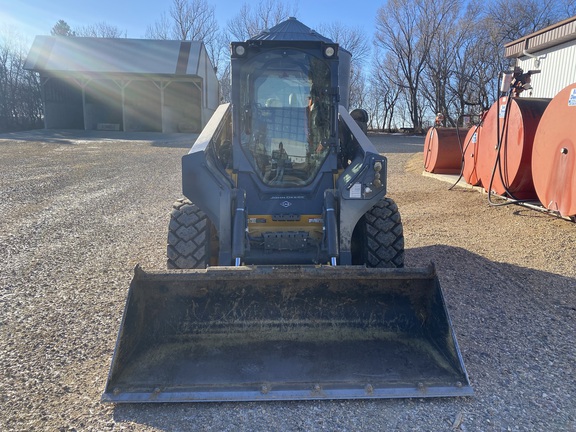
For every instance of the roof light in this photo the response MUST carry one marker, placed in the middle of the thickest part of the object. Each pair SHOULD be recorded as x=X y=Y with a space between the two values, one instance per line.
x=240 y=50
x=329 y=51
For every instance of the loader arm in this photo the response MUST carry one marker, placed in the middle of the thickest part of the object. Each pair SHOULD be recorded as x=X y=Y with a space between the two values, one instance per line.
x=206 y=182
x=361 y=185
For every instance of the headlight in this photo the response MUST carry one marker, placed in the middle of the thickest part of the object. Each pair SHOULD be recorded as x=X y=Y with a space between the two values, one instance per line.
x=329 y=51
x=238 y=49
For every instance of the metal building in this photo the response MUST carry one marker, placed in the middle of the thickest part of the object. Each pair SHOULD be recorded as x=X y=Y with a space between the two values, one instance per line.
x=124 y=84
x=552 y=51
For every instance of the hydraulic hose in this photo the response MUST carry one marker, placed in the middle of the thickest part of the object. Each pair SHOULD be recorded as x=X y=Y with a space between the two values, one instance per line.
x=331 y=226
x=239 y=229
x=500 y=140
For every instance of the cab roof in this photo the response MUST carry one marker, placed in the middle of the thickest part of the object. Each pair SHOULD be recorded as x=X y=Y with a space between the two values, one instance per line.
x=291 y=29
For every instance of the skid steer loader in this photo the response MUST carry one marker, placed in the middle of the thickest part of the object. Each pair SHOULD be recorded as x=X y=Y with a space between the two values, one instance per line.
x=286 y=257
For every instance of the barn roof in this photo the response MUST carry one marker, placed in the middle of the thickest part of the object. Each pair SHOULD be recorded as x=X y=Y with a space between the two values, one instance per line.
x=115 y=55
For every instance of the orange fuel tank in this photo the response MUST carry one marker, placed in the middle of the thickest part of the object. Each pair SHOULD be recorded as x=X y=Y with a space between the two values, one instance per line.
x=471 y=145
x=513 y=123
x=443 y=150
x=554 y=154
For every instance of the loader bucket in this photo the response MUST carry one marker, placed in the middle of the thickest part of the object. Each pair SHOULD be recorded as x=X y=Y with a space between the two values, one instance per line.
x=285 y=333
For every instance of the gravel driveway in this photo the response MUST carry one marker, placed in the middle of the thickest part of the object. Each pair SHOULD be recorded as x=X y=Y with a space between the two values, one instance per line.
x=80 y=210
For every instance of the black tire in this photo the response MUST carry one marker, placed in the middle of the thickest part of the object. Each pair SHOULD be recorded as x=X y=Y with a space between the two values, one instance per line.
x=378 y=239
x=189 y=237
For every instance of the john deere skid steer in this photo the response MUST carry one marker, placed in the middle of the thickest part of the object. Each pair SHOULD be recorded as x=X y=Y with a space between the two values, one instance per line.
x=286 y=257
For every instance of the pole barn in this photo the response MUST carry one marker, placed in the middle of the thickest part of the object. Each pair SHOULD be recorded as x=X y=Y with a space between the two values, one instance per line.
x=124 y=84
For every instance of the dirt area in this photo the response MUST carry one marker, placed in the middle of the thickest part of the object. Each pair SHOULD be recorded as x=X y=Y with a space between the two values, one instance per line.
x=79 y=211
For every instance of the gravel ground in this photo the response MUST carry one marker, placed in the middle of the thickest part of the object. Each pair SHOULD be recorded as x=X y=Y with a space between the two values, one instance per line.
x=79 y=210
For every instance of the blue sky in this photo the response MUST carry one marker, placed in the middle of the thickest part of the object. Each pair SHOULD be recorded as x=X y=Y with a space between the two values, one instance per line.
x=37 y=17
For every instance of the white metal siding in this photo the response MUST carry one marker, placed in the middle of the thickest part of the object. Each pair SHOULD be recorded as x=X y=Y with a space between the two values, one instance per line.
x=558 y=70
x=555 y=35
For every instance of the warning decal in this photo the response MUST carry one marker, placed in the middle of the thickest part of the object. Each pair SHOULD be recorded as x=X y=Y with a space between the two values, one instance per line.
x=572 y=98
x=356 y=190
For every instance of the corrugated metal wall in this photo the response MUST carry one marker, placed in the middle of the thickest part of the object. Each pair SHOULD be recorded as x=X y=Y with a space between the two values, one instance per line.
x=562 y=32
x=558 y=69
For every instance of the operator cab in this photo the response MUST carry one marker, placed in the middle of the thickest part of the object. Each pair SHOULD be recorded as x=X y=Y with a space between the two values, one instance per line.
x=285 y=111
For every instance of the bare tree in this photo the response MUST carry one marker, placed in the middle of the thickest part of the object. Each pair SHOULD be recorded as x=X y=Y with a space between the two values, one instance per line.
x=477 y=64
x=447 y=77
x=500 y=22
x=225 y=85
x=192 y=20
x=187 y=20
x=20 y=97
x=160 y=29
x=568 y=8
x=384 y=91
x=357 y=89
x=100 y=30
x=449 y=62
x=250 y=21
x=219 y=54
x=510 y=22
x=352 y=39
x=407 y=29
x=355 y=41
